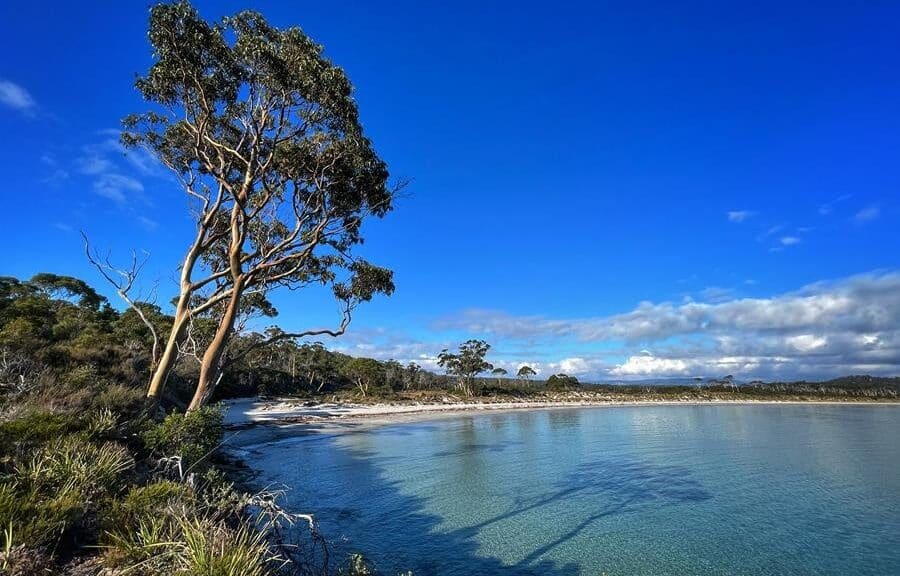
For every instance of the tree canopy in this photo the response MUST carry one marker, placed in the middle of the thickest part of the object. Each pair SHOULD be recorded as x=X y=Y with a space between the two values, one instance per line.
x=526 y=372
x=562 y=382
x=466 y=363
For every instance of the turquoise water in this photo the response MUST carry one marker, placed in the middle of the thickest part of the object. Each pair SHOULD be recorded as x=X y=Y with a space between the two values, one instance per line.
x=694 y=490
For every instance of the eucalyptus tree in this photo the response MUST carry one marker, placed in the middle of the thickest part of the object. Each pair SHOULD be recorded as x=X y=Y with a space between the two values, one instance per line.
x=264 y=136
x=315 y=361
x=393 y=373
x=467 y=363
x=411 y=375
x=499 y=373
x=562 y=382
x=525 y=372
x=364 y=372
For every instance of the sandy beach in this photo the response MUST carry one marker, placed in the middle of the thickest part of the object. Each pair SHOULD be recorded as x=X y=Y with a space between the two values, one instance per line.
x=255 y=420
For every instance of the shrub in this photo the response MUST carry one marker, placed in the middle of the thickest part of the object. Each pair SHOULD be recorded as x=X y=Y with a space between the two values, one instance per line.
x=144 y=550
x=38 y=519
x=81 y=377
x=121 y=399
x=147 y=502
x=141 y=528
x=212 y=548
x=35 y=428
x=185 y=544
x=560 y=382
x=54 y=490
x=192 y=436
x=52 y=397
x=74 y=465
x=101 y=423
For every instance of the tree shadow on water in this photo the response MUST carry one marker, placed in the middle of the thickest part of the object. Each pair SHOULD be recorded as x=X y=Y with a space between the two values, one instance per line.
x=379 y=518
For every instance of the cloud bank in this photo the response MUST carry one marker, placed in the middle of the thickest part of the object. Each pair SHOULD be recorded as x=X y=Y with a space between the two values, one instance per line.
x=822 y=330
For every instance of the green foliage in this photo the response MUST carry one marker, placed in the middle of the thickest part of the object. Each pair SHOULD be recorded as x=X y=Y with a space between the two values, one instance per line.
x=49 y=491
x=143 y=548
x=101 y=424
x=150 y=500
x=36 y=518
x=211 y=548
x=72 y=464
x=365 y=372
x=558 y=382
x=192 y=436
x=127 y=401
x=141 y=524
x=64 y=287
x=34 y=428
x=185 y=540
x=467 y=363
x=526 y=372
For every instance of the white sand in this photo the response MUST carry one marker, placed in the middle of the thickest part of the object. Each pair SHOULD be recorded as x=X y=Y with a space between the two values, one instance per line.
x=246 y=411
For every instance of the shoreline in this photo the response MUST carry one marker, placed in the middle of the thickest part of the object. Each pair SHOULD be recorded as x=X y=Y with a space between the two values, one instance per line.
x=258 y=421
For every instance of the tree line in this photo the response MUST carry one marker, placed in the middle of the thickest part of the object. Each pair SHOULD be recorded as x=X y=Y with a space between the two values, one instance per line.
x=55 y=329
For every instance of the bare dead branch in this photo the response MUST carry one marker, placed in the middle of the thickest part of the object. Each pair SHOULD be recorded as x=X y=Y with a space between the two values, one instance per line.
x=124 y=285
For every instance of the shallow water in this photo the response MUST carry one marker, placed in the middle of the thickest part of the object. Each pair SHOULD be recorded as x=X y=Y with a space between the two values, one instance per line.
x=697 y=490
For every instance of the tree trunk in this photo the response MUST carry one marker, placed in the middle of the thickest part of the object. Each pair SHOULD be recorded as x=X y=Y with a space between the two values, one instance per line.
x=211 y=363
x=170 y=352
x=182 y=315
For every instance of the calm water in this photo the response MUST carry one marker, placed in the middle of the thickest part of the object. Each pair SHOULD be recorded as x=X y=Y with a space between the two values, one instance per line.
x=699 y=490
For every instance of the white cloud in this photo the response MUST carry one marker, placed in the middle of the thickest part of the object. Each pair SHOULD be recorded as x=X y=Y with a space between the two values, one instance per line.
x=769 y=232
x=828 y=207
x=650 y=366
x=646 y=365
x=865 y=302
x=715 y=294
x=867 y=214
x=118 y=174
x=806 y=342
x=16 y=97
x=94 y=163
x=789 y=240
x=739 y=216
x=56 y=173
x=574 y=366
x=147 y=224
x=828 y=328
x=117 y=187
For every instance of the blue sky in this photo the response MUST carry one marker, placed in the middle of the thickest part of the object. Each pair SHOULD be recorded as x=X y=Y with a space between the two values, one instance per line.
x=607 y=190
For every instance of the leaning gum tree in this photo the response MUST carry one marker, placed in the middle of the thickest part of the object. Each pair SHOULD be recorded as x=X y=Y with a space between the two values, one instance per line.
x=264 y=137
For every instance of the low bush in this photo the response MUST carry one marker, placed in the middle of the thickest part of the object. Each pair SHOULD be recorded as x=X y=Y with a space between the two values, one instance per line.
x=126 y=401
x=39 y=519
x=211 y=548
x=145 y=502
x=35 y=428
x=73 y=464
x=193 y=437
x=51 y=490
